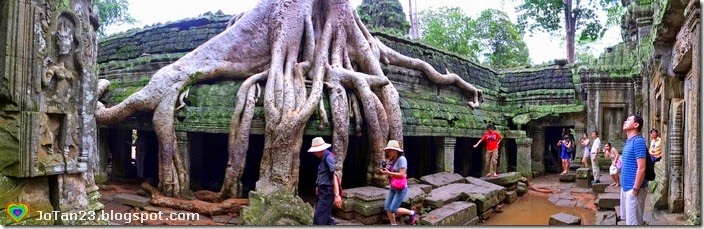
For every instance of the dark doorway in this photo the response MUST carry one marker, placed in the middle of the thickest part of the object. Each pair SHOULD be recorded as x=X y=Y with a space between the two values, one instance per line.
x=250 y=175
x=468 y=160
x=420 y=152
x=551 y=157
x=208 y=161
x=511 y=154
x=354 y=170
x=147 y=153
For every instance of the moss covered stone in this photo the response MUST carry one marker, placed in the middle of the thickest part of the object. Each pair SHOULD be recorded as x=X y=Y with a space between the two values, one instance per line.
x=278 y=208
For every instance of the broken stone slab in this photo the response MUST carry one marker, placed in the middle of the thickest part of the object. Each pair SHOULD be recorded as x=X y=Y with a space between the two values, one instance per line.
x=483 y=197
x=493 y=189
x=584 y=173
x=504 y=179
x=608 y=200
x=511 y=197
x=570 y=177
x=584 y=182
x=564 y=219
x=566 y=203
x=453 y=214
x=365 y=208
x=367 y=193
x=473 y=221
x=415 y=194
x=599 y=187
x=425 y=187
x=412 y=180
x=132 y=200
x=486 y=214
x=441 y=179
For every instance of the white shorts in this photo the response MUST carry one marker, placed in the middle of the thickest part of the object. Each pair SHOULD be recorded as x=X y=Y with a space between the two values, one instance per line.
x=613 y=170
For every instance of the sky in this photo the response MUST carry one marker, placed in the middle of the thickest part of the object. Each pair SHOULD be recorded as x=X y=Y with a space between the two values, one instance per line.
x=542 y=47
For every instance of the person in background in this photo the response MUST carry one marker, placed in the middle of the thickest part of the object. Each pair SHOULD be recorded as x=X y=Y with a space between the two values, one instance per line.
x=568 y=132
x=584 y=142
x=655 y=147
x=493 y=139
x=327 y=188
x=565 y=145
x=611 y=153
x=595 y=156
x=396 y=168
x=633 y=182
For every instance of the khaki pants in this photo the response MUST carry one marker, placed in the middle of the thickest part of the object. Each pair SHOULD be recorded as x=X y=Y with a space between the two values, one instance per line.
x=491 y=159
x=595 y=165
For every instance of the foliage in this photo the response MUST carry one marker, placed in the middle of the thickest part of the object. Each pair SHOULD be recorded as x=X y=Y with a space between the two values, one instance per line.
x=492 y=37
x=501 y=41
x=112 y=12
x=547 y=15
x=385 y=15
x=449 y=29
x=583 y=52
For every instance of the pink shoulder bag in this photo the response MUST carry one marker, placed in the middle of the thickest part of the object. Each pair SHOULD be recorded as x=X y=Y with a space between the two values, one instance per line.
x=398 y=183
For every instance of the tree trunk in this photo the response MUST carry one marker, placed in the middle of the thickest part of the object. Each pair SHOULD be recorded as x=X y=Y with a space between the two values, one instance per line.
x=569 y=30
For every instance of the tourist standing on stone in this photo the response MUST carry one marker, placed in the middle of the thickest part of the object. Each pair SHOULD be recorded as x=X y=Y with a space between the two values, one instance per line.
x=633 y=182
x=568 y=132
x=493 y=139
x=655 y=147
x=595 y=156
x=398 y=186
x=327 y=189
x=611 y=153
x=584 y=142
x=565 y=150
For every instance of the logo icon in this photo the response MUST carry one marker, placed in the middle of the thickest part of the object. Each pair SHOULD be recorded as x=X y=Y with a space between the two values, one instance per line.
x=16 y=211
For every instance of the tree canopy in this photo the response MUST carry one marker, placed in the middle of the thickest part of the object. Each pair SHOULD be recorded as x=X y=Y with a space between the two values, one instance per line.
x=112 y=12
x=491 y=39
x=578 y=19
x=385 y=15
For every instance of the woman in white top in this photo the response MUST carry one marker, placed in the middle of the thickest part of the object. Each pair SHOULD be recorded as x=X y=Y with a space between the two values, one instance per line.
x=612 y=154
x=584 y=142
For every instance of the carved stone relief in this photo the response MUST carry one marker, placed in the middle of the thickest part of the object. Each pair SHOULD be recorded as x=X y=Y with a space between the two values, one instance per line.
x=61 y=81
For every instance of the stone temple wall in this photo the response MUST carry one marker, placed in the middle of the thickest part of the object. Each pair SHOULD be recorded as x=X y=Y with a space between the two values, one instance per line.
x=47 y=101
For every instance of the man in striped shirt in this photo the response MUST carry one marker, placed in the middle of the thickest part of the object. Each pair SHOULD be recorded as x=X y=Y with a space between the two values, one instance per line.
x=633 y=182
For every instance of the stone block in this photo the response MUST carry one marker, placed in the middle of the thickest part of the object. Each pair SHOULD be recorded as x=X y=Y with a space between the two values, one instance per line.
x=132 y=200
x=584 y=173
x=493 y=189
x=441 y=179
x=367 y=193
x=32 y=191
x=365 y=208
x=415 y=194
x=608 y=200
x=584 y=182
x=425 y=187
x=564 y=219
x=504 y=179
x=370 y=220
x=570 y=177
x=486 y=214
x=473 y=221
x=511 y=196
x=483 y=197
x=599 y=187
x=453 y=214
x=522 y=189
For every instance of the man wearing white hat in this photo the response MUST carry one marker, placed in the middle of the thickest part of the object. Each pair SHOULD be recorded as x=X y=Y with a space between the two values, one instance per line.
x=327 y=189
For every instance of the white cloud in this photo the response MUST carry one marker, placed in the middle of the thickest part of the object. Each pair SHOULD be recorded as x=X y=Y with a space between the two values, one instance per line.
x=542 y=47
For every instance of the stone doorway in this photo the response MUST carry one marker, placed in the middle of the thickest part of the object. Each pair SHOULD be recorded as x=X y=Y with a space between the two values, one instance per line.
x=208 y=160
x=421 y=154
x=468 y=160
x=551 y=157
x=511 y=154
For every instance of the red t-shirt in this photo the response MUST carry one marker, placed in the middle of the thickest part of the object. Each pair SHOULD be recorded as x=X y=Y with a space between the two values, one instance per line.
x=492 y=140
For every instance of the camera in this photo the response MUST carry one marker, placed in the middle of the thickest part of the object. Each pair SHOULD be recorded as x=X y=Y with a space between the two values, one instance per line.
x=383 y=164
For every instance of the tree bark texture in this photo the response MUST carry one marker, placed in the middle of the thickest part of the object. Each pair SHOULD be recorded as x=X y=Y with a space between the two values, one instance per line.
x=285 y=44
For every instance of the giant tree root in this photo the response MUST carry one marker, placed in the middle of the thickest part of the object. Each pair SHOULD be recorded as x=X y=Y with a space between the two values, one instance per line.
x=231 y=205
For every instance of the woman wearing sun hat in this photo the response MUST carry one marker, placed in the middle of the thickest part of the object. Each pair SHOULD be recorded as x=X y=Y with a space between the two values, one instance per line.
x=396 y=169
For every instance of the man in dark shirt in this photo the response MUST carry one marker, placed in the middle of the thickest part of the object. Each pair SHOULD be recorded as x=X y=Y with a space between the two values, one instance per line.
x=327 y=189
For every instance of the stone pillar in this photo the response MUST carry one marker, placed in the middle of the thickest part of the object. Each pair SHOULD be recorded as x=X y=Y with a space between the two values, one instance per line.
x=692 y=120
x=523 y=157
x=503 y=158
x=537 y=149
x=675 y=200
x=446 y=154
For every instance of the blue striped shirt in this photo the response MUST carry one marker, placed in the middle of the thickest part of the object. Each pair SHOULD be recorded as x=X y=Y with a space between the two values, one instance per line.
x=635 y=148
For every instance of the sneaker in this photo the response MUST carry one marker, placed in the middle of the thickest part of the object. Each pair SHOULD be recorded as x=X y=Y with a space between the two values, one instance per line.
x=412 y=219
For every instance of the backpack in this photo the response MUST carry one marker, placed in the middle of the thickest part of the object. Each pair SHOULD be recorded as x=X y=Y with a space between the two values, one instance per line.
x=649 y=165
x=649 y=168
x=339 y=181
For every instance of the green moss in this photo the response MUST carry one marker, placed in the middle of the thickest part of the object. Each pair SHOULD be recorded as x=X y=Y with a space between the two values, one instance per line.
x=10 y=147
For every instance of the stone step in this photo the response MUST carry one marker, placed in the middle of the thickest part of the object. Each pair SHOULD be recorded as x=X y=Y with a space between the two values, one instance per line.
x=441 y=179
x=453 y=214
x=608 y=200
x=511 y=197
x=132 y=200
x=584 y=173
x=564 y=219
x=584 y=182
x=599 y=187
x=569 y=177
